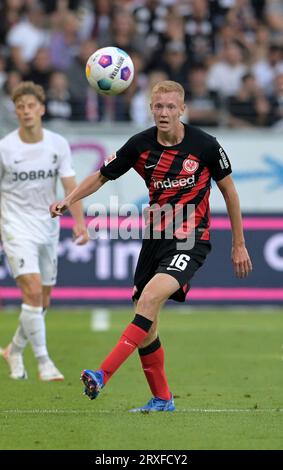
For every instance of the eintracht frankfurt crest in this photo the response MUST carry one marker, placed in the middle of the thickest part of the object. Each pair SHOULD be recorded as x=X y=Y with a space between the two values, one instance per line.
x=190 y=166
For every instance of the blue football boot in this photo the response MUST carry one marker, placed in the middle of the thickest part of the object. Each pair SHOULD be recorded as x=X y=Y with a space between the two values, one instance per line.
x=93 y=382
x=156 y=404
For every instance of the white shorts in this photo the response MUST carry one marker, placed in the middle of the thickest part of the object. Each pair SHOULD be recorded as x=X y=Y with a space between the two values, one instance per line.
x=26 y=257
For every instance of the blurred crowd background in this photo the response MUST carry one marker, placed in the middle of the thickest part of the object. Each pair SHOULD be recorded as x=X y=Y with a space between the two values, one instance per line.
x=228 y=55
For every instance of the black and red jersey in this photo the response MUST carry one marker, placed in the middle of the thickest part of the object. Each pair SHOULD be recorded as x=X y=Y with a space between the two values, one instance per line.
x=177 y=175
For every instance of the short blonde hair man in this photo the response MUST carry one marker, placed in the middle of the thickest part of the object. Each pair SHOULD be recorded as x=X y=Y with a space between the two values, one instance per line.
x=168 y=86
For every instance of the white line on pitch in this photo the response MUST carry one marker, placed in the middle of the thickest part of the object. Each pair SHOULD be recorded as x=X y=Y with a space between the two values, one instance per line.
x=188 y=410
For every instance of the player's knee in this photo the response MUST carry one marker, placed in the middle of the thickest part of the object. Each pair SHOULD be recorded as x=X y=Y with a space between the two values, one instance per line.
x=149 y=300
x=33 y=295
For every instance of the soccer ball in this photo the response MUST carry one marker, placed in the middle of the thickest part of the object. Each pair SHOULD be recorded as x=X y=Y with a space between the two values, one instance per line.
x=110 y=70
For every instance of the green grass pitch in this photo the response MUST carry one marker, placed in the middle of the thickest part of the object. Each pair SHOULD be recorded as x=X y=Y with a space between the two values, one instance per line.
x=224 y=367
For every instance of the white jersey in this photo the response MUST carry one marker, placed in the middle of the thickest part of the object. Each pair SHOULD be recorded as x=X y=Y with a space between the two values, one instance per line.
x=28 y=177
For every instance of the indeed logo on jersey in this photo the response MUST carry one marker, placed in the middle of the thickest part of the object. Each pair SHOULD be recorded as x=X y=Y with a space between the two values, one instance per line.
x=178 y=183
x=34 y=175
x=223 y=162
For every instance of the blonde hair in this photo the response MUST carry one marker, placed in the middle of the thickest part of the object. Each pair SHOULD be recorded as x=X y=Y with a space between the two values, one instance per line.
x=167 y=86
x=28 y=88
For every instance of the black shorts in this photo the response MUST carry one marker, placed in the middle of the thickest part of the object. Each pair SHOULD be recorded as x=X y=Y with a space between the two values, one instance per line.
x=162 y=256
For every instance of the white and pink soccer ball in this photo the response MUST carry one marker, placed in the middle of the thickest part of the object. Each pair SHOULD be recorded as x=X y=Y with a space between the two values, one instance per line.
x=110 y=70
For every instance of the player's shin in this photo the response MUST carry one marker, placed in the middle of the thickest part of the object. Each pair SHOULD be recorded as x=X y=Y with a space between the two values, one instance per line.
x=132 y=336
x=33 y=324
x=19 y=341
x=152 y=360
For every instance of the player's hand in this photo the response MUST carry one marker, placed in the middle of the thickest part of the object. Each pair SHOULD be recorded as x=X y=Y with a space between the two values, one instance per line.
x=58 y=208
x=241 y=261
x=80 y=234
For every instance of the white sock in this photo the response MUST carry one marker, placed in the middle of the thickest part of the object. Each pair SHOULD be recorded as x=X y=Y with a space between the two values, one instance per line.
x=33 y=324
x=19 y=341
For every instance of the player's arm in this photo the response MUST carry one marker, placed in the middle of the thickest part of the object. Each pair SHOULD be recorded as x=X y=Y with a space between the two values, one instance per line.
x=79 y=229
x=1 y=176
x=114 y=166
x=88 y=186
x=240 y=256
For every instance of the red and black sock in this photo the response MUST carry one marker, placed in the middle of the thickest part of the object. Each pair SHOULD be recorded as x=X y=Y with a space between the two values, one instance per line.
x=131 y=337
x=152 y=359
